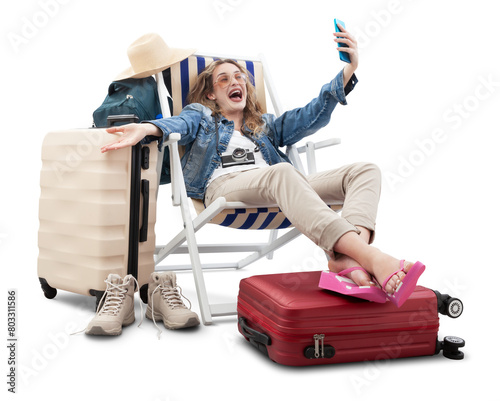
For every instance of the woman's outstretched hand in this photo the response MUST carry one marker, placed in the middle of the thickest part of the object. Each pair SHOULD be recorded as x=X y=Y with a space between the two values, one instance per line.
x=129 y=135
x=352 y=49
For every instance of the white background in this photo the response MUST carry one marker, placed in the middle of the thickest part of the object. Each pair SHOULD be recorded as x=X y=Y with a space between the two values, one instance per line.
x=429 y=78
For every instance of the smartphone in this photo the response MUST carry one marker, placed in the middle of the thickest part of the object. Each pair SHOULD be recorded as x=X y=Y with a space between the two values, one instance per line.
x=343 y=55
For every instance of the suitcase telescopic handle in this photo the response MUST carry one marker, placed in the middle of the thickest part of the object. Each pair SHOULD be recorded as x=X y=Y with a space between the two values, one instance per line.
x=121 y=119
x=143 y=232
x=253 y=334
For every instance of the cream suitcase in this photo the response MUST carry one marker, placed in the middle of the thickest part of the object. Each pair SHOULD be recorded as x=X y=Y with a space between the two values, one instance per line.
x=97 y=212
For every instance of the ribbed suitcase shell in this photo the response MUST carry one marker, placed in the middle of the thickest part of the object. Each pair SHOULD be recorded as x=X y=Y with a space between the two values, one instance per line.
x=290 y=309
x=85 y=211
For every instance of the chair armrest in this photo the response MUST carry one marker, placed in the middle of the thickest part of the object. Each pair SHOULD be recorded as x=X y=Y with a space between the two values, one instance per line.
x=176 y=177
x=309 y=149
x=172 y=138
x=319 y=145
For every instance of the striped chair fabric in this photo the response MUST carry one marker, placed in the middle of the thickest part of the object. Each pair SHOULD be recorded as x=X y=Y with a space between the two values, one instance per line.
x=261 y=218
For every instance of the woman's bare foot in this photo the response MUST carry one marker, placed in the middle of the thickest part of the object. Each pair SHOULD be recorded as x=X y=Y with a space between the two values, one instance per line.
x=378 y=264
x=385 y=266
x=337 y=263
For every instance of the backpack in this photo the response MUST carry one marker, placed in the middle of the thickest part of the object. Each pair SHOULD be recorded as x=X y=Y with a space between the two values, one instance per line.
x=138 y=97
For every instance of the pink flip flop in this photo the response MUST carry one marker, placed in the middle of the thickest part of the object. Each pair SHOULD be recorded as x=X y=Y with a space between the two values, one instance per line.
x=337 y=282
x=407 y=284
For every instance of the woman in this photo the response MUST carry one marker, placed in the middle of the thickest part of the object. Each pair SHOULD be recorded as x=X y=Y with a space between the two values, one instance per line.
x=224 y=116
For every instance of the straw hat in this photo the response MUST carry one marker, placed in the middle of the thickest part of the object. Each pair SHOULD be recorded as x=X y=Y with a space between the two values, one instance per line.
x=149 y=55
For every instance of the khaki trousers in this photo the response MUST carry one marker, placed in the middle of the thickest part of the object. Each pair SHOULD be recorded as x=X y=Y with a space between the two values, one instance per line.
x=302 y=198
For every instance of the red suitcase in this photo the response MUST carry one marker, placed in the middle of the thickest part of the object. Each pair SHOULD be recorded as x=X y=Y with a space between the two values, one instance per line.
x=293 y=321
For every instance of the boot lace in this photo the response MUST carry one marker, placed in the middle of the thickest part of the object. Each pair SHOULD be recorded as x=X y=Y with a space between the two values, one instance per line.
x=171 y=295
x=113 y=298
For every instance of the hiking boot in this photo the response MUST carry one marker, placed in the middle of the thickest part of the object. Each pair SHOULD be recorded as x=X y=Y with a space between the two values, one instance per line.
x=165 y=303
x=116 y=308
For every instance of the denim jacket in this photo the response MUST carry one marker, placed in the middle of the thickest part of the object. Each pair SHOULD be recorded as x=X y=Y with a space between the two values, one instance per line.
x=196 y=125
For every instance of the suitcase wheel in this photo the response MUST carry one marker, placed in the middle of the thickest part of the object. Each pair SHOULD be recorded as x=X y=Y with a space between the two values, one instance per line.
x=143 y=292
x=451 y=344
x=48 y=291
x=98 y=296
x=455 y=308
x=447 y=305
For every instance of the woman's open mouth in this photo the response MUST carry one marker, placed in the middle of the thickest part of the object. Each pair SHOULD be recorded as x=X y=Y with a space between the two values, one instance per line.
x=236 y=95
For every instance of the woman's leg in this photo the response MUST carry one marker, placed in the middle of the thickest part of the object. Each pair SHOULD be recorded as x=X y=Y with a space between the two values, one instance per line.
x=357 y=186
x=338 y=262
x=283 y=185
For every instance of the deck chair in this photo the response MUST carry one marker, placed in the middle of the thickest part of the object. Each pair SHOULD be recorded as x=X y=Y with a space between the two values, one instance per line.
x=239 y=215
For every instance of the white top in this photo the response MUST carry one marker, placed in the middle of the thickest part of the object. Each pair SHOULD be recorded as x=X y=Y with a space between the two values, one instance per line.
x=238 y=140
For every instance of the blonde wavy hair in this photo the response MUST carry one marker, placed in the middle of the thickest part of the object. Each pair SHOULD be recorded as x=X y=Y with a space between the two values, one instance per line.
x=252 y=114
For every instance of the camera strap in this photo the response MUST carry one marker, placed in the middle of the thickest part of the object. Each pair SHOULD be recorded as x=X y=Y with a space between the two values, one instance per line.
x=256 y=149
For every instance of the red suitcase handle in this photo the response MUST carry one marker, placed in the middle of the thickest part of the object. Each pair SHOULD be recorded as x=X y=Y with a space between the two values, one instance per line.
x=252 y=334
